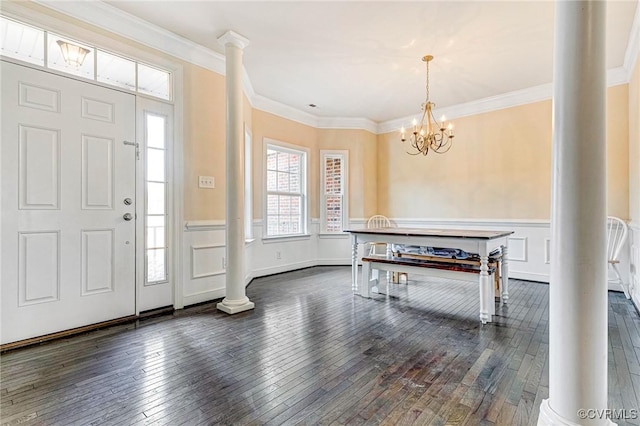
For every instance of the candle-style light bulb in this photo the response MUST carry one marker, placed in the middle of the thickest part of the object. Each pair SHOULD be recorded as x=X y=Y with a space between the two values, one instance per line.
x=415 y=125
x=442 y=120
x=450 y=130
x=402 y=132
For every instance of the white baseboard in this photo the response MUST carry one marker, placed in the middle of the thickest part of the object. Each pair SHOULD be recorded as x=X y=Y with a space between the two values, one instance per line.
x=282 y=268
x=205 y=296
x=334 y=262
x=529 y=276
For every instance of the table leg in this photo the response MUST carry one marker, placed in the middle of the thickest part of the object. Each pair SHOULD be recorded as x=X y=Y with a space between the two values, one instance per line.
x=354 y=264
x=505 y=272
x=366 y=280
x=389 y=254
x=485 y=289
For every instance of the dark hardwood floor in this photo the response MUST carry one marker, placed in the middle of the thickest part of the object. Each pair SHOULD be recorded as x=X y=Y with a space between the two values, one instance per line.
x=311 y=353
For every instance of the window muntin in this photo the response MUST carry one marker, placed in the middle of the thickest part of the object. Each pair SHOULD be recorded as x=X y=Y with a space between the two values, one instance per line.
x=286 y=191
x=156 y=247
x=27 y=43
x=333 y=167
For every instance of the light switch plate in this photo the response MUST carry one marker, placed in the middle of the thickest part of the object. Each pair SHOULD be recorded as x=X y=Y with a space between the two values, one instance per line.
x=206 y=182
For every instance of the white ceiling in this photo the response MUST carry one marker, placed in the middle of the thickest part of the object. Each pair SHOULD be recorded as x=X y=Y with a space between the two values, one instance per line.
x=362 y=59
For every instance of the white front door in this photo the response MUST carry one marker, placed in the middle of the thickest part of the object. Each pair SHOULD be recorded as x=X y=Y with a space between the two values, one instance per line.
x=68 y=181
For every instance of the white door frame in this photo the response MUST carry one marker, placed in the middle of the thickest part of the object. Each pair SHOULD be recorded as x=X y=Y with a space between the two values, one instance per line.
x=27 y=14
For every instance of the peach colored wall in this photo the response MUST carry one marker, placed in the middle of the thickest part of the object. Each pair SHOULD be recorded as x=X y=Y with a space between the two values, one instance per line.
x=266 y=125
x=361 y=145
x=618 y=151
x=634 y=144
x=499 y=167
x=204 y=143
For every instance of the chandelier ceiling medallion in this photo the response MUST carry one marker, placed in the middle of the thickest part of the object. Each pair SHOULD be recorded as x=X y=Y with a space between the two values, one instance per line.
x=429 y=134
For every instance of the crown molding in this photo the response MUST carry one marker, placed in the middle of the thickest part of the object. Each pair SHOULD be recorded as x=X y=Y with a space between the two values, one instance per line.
x=282 y=110
x=615 y=77
x=114 y=20
x=492 y=103
x=348 y=123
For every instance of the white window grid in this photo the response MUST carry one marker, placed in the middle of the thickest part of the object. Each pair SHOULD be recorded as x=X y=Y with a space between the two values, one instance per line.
x=333 y=191
x=32 y=45
x=285 y=209
x=156 y=218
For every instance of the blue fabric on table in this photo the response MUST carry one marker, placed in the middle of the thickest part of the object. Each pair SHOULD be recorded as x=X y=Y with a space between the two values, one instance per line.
x=449 y=253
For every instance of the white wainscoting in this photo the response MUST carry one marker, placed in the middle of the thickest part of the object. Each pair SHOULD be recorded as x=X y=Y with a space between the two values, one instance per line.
x=204 y=251
x=276 y=255
x=203 y=255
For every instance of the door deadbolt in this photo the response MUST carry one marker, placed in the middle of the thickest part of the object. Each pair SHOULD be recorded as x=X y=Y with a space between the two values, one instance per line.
x=127 y=201
x=127 y=216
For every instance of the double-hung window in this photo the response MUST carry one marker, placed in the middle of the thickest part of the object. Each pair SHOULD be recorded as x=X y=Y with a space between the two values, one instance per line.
x=333 y=191
x=286 y=179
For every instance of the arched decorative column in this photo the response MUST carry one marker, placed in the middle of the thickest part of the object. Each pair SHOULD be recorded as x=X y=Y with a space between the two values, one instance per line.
x=578 y=285
x=236 y=299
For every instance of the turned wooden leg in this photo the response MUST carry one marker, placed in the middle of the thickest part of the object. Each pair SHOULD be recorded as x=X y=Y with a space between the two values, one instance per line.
x=485 y=290
x=504 y=269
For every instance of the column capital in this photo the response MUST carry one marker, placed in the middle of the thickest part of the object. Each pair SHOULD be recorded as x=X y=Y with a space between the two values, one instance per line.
x=231 y=37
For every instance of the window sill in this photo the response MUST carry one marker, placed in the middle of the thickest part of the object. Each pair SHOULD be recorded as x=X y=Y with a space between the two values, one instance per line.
x=285 y=238
x=336 y=235
x=249 y=241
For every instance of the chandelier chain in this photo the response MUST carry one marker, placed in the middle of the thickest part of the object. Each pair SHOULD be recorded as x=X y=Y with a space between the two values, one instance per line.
x=428 y=134
x=427 y=81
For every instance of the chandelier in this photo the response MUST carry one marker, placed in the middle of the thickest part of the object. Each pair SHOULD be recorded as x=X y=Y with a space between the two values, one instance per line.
x=429 y=134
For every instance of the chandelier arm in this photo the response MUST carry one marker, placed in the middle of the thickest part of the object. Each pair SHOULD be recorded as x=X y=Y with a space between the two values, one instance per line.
x=442 y=152
x=436 y=136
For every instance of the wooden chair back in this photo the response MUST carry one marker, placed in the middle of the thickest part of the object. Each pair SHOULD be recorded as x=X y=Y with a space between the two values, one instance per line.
x=378 y=221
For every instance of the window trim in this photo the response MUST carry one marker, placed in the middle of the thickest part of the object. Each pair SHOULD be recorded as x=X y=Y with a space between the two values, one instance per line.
x=345 y=190
x=146 y=113
x=304 y=186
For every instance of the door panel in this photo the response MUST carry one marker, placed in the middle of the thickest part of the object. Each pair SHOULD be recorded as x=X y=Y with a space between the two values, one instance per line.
x=68 y=255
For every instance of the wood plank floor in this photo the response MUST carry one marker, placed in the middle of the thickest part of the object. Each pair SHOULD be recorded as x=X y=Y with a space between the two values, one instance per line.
x=313 y=354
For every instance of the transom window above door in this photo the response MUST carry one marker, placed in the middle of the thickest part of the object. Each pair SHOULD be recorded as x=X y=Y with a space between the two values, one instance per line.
x=37 y=46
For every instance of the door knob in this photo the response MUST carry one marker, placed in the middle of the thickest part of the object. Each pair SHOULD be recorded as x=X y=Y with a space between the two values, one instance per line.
x=127 y=216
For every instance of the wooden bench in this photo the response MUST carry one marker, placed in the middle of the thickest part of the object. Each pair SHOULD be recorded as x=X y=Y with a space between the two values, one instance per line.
x=495 y=261
x=446 y=269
